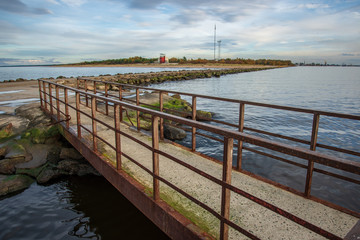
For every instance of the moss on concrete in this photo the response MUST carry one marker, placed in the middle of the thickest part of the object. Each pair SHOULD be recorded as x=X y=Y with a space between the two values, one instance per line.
x=39 y=135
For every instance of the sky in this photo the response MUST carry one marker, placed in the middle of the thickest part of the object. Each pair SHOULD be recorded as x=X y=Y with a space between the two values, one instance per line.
x=69 y=31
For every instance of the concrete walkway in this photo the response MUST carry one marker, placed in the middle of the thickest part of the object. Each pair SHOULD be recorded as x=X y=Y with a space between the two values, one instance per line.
x=256 y=219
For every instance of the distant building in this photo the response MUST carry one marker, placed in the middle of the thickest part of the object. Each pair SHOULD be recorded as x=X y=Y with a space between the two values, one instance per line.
x=163 y=58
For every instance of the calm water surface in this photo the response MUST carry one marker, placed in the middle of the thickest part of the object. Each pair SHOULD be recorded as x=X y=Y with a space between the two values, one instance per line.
x=90 y=208
x=73 y=208
x=13 y=73
x=335 y=89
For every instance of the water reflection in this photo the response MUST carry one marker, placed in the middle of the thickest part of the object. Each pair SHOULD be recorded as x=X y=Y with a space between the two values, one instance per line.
x=78 y=207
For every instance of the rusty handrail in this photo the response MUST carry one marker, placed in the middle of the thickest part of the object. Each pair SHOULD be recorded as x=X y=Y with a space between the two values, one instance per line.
x=280 y=107
x=312 y=142
x=229 y=136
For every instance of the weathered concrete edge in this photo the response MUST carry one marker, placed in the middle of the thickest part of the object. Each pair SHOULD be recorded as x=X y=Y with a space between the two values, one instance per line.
x=354 y=233
x=175 y=225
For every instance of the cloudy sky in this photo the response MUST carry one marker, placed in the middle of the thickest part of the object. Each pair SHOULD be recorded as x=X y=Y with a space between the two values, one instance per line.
x=66 y=31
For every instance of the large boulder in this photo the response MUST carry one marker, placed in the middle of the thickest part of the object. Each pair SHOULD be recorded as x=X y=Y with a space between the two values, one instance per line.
x=33 y=114
x=12 y=125
x=7 y=166
x=16 y=154
x=71 y=153
x=14 y=183
x=39 y=154
x=75 y=167
x=173 y=133
x=48 y=173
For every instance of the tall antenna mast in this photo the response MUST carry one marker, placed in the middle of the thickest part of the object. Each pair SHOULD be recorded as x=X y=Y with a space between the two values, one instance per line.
x=214 y=42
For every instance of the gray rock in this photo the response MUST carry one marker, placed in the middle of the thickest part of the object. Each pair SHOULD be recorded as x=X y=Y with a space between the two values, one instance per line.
x=33 y=114
x=71 y=153
x=39 y=154
x=69 y=166
x=14 y=183
x=3 y=151
x=19 y=124
x=7 y=166
x=15 y=150
x=74 y=167
x=174 y=133
x=48 y=174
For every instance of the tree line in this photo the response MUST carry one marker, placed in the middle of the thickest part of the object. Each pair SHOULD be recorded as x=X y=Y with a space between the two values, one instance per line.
x=248 y=61
x=184 y=60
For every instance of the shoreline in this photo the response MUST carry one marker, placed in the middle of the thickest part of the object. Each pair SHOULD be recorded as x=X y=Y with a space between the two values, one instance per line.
x=172 y=65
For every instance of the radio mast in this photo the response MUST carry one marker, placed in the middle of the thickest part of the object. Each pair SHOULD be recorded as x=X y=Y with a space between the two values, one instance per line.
x=214 y=42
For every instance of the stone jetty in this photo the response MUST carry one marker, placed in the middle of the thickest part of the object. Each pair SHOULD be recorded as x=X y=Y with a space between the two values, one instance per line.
x=32 y=149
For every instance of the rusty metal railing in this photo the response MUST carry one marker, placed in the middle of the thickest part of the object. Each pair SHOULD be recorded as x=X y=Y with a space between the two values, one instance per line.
x=58 y=108
x=84 y=83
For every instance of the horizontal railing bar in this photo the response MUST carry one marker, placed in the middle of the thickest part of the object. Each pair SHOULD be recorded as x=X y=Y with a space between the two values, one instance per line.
x=135 y=140
x=106 y=142
x=188 y=196
x=210 y=137
x=138 y=164
x=207 y=208
x=86 y=129
x=336 y=176
x=275 y=157
x=194 y=169
x=225 y=123
x=245 y=148
x=295 y=109
x=277 y=135
x=338 y=149
x=256 y=130
x=303 y=166
x=320 y=158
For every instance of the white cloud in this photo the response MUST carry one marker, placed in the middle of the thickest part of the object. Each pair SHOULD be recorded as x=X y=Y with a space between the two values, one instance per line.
x=179 y=28
x=74 y=3
x=313 y=6
x=53 y=2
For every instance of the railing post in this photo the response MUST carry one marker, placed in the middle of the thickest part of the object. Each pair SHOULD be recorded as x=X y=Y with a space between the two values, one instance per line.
x=94 y=128
x=117 y=136
x=161 y=109
x=225 y=196
x=138 y=112
x=241 y=129
x=67 y=108
x=155 y=146
x=121 y=108
x=77 y=83
x=193 y=129
x=40 y=95
x=78 y=120
x=86 y=96
x=57 y=102
x=106 y=102
x=95 y=93
x=45 y=100
x=50 y=98
x=310 y=168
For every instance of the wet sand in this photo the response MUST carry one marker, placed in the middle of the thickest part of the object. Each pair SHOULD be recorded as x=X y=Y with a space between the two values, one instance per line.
x=15 y=94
